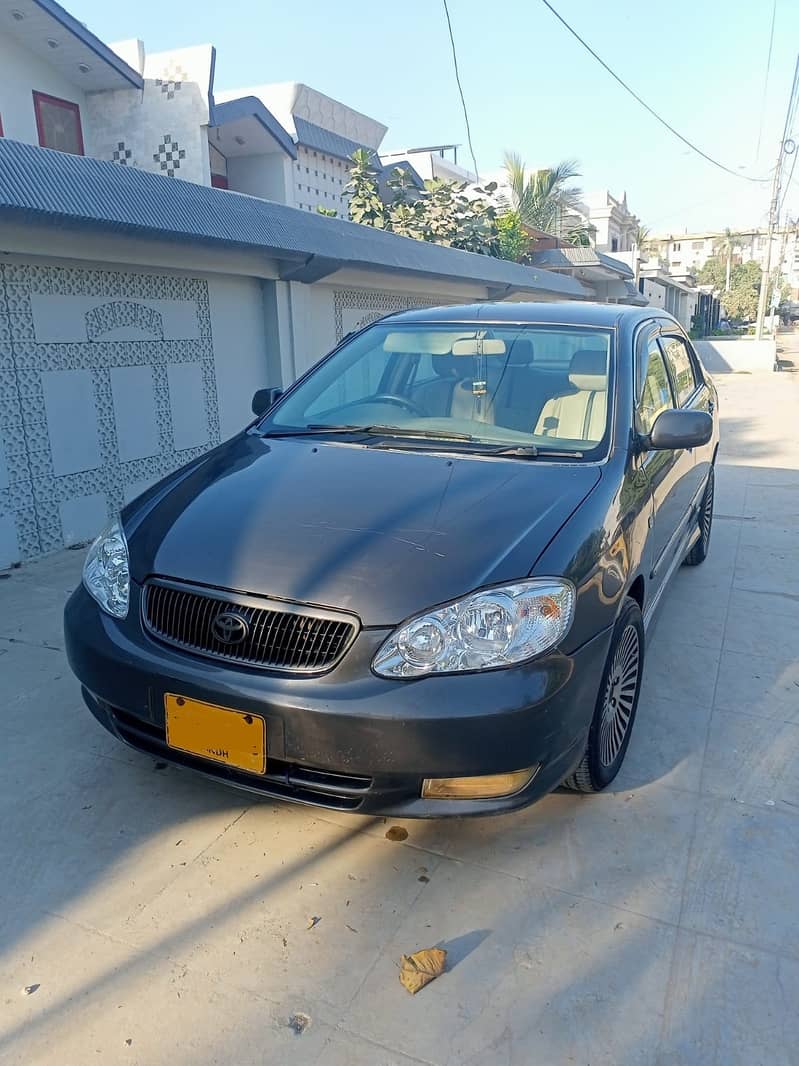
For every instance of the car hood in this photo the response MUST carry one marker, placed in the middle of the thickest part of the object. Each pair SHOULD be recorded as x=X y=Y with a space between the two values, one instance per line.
x=382 y=533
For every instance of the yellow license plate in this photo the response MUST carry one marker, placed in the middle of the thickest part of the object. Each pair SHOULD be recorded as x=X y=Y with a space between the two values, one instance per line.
x=234 y=738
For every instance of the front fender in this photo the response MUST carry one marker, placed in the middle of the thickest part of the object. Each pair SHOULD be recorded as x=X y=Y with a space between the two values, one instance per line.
x=602 y=548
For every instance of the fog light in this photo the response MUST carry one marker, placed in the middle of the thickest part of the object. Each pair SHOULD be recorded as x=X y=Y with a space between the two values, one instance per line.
x=486 y=786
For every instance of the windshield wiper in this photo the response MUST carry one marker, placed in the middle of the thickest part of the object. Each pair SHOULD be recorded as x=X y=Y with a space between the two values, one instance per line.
x=531 y=451
x=520 y=451
x=301 y=431
x=410 y=431
x=516 y=451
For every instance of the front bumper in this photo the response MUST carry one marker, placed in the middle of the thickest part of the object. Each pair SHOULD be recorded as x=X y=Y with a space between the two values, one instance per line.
x=348 y=740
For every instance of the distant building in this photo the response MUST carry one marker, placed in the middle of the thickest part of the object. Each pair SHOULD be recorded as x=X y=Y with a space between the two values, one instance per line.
x=324 y=133
x=686 y=253
x=439 y=161
x=680 y=297
x=63 y=88
x=614 y=224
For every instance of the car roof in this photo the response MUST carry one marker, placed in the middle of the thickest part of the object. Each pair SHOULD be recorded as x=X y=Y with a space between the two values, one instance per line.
x=563 y=312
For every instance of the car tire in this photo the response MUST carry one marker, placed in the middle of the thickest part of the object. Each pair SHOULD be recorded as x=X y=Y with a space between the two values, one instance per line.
x=698 y=553
x=616 y=705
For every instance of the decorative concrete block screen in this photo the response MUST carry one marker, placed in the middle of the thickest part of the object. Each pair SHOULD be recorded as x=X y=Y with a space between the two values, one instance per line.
x=355 y=308
x=107 y=383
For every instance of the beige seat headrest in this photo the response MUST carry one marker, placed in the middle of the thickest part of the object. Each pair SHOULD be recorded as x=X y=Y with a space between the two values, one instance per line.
x=588 y=370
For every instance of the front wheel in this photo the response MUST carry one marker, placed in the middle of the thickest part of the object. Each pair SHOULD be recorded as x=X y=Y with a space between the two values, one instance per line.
x=698 y=553
x=617 y=702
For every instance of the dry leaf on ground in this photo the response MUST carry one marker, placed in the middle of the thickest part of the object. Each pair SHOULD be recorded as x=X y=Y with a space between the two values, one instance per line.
x=421 y=968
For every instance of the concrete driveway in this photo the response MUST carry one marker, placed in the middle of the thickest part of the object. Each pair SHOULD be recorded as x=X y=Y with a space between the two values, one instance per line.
x=157 y=918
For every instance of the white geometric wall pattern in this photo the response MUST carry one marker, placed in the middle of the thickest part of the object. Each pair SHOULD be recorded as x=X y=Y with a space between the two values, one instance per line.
x=374 y=304
x=123 y=155
x=171 y=80
x=169 y=155
x=116 y=313
x=86 y=425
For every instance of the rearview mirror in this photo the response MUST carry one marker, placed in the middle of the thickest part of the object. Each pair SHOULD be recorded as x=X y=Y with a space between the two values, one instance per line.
x=479 y=346
x=263 y=400
x=679 y=429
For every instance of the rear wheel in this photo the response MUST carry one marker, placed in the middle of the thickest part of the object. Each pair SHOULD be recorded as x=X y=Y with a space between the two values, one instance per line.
x=617 y=702
x=698 y=553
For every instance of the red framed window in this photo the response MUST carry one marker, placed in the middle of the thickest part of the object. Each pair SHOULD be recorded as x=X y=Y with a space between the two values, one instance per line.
x=219 y=181
x=58 y=123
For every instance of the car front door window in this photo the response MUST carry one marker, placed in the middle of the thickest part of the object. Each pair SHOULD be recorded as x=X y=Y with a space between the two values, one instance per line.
x=654 y=390
x=681 y=367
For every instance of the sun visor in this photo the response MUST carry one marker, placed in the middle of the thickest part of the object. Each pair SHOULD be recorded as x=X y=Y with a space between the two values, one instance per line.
x=433 y=342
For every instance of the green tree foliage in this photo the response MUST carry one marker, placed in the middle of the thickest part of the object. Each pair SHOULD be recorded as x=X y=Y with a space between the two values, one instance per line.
x=725 y=247
x=740 y=301
x=642 y=236
x=545 y=199
x=514 y=243
x=577 y=235
x=441 y=213
x=328 y=212
x=712 y=273
x=445 y=213
x=365 y=205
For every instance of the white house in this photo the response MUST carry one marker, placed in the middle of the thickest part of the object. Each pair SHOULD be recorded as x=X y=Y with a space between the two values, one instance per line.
x=324 y=133
x=63 y=88
x=687 y=253
x=661 y=289
x=614 y=223
x=439 y=161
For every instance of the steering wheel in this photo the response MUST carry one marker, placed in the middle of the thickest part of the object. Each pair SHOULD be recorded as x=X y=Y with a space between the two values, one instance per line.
x=397 y=401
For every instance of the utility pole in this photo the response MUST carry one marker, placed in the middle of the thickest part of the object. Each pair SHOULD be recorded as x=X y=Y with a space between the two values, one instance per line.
x=786 y=147
x=772 y=218
x=788 y=227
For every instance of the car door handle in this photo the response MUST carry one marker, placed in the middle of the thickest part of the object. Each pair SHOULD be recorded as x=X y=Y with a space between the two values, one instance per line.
x=711 y=406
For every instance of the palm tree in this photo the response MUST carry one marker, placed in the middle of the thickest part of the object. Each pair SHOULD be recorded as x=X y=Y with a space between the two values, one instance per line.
x=544 y=198
x=726 y=245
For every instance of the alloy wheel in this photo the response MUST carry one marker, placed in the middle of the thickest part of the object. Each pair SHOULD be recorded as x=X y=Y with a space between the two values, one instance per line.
x=707 y=512
x=620 y=691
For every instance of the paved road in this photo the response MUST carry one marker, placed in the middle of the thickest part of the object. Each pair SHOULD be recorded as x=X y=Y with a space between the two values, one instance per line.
x=163 y=920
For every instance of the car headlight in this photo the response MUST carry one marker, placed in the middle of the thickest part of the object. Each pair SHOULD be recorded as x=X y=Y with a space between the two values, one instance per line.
x=487 y=629
x=106 y=573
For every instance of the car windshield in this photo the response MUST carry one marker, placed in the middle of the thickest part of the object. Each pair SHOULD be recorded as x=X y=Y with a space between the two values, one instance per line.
x=535 y=390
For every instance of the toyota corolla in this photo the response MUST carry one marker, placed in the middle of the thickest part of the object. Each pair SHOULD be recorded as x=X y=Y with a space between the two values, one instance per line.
x=419 y=582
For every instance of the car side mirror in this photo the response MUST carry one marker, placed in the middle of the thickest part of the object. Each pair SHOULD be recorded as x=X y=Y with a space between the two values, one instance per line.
x=679 y=429
x=263 y=400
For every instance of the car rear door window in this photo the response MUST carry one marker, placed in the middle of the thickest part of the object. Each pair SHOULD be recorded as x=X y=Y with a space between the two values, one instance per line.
x=654 y=389
x=681 y=367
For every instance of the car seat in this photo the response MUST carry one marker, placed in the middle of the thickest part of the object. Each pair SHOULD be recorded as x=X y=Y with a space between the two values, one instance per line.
x=579 y=414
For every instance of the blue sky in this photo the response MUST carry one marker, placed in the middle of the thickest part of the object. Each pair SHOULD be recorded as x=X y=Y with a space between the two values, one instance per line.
x=529 y=86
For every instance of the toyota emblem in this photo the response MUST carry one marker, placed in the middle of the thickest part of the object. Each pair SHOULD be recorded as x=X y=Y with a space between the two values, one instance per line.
x=230 y=628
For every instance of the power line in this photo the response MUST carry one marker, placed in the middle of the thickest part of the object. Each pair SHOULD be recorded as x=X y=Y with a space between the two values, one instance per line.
x=787 y=186
x=765 y=82
x=460 y=90
x=787 y=129
x=644 y=104
x=775 y=203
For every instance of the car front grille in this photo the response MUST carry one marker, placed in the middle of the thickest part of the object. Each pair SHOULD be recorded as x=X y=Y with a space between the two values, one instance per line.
x=269 y=634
